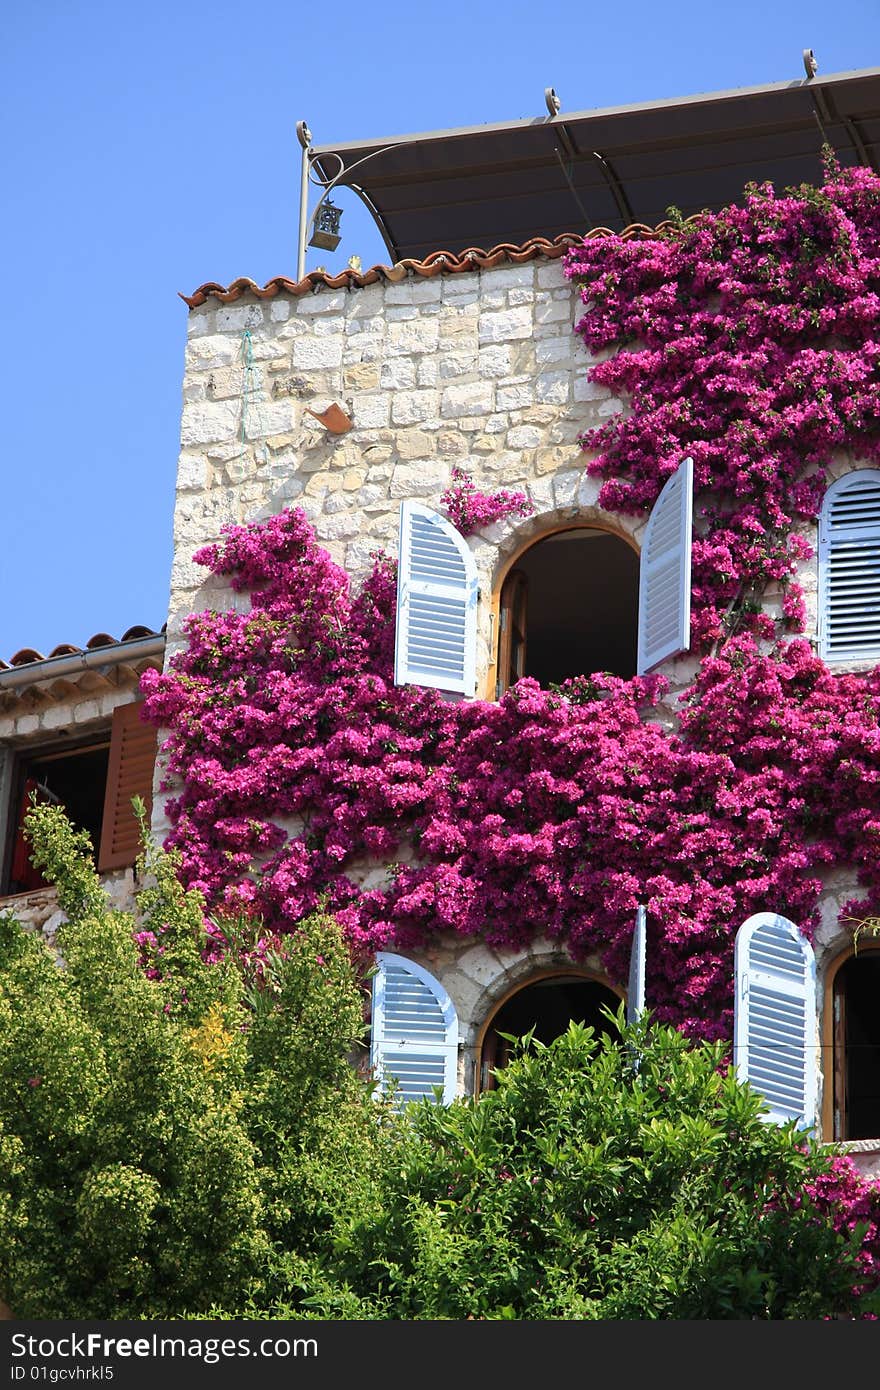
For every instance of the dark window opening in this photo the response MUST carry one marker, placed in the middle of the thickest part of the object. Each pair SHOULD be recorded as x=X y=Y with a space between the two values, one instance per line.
x=547 y=1006
x=569 y=608
x=857 y=1048
x=73 y=778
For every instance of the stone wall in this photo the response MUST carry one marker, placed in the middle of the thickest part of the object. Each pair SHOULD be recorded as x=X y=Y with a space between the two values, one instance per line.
x=481 y=369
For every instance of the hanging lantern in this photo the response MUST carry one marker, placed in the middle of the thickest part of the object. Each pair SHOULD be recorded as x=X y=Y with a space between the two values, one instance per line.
x=326 y=232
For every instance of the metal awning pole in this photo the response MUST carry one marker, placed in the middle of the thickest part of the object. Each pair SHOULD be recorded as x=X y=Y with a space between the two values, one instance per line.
x=304 y=135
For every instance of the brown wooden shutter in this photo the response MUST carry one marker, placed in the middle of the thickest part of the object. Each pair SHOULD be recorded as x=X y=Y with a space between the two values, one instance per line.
x=130 y=773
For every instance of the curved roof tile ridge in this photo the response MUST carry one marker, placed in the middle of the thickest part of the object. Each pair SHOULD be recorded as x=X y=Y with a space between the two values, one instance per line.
x=27 y=655
x=435 y=263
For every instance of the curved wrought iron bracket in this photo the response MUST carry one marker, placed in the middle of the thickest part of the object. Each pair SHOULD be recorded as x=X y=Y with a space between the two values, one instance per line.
x=310 y=166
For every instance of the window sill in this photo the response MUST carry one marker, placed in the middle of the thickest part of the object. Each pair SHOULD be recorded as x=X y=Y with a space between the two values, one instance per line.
x=860 y=1146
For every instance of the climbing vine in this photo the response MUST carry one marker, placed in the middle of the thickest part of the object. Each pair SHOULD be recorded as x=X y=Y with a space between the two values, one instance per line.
x=750 y=339
x=301 y=775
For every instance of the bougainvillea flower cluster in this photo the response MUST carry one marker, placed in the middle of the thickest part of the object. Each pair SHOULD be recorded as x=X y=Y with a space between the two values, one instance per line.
x=470 y=510
x=750 y=339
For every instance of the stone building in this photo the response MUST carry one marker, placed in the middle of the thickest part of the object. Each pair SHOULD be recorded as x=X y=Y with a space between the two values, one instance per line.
x=350 y=394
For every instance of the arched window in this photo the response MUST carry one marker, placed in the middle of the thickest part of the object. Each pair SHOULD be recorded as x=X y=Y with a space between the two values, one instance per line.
x=568 y=608
x=413 y=1032
x=849 y=569
x=852 y=1046
x=578 y=601
x=546 y=1004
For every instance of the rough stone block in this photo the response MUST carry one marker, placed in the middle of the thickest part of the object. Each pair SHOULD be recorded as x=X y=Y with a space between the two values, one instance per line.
x=553 y=387
x=398 y=374
x=192 y=473
x=515 y=396
x=468 y=398
x=416 y=336
x=210 y=351
x=208 y=422
x=321 y=301
x=318 y=352
x=414 y=407
x=554 y=350
x=551 y=277
x=424 y=478
x=372 y=412
x=235 y=318
x=524 y=437
x=509 y=323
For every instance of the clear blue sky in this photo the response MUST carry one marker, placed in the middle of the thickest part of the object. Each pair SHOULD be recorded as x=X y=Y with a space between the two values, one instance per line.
x=147 y=149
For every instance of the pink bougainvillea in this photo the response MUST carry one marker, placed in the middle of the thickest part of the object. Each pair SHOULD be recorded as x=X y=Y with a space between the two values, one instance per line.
x=749 y=339
x=469 y=510
x=551 y=812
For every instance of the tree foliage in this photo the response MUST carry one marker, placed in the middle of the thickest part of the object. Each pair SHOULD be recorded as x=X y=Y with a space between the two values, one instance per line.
x=168 y=1134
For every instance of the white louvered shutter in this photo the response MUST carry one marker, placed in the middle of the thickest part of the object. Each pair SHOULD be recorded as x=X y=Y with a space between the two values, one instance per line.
x=774 y=1027
x=635 y=994
x=436 y=639
x=849 y=569
x=665 y=572
x=414 y=1032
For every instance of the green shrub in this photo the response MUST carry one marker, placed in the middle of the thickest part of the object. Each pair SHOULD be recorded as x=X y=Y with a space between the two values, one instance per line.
x=586 y=1187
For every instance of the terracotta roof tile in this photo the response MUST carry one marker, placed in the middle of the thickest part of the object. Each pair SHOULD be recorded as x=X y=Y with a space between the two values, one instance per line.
x=438 y=263
x=26 y=655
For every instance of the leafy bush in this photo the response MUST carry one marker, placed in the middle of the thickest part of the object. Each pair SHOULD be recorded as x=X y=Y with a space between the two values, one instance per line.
x=168 y=1134
x=587 y=1187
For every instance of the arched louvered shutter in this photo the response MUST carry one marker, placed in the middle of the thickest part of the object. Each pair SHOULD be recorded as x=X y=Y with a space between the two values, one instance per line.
x=665 y=572
x=436 y=639
x=774 y=1028
x=849 y=569
x=414 y=1032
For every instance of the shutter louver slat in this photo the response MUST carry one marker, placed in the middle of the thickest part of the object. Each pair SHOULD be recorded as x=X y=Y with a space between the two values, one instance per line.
x=665 y=573
x=435 y=640
x=414 y=1038
x=775 y=1016
x=849 y=569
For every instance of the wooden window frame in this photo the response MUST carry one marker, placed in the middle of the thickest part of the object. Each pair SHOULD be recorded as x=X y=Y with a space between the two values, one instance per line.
x=492 y=686
x=560 y=972
x=832 y=1044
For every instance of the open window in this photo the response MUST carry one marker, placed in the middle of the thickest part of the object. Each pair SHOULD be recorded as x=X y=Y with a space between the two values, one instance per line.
x=582 y=600
x=774 y=1022
x=546 y=1006
x=852 y=1037
x=94 y=781
x=849 y=569
x=577 y=601
x=568 y=608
